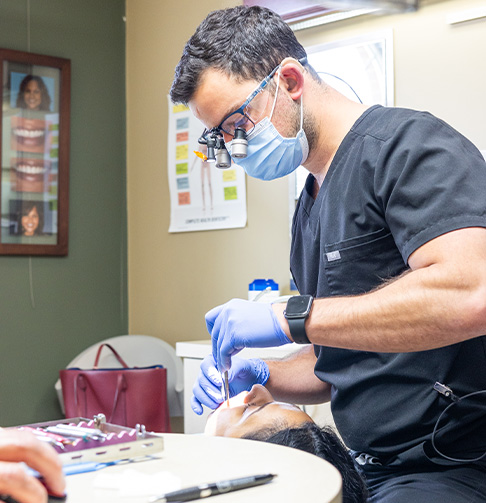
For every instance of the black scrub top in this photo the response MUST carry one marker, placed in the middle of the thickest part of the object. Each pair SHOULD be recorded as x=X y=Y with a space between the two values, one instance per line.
x=399 y=179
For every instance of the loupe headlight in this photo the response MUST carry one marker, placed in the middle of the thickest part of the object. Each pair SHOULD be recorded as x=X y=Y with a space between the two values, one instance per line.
x=216 y=149
x=211 y=144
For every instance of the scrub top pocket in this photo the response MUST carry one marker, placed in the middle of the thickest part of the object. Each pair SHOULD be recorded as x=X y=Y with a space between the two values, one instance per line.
x=354 y=266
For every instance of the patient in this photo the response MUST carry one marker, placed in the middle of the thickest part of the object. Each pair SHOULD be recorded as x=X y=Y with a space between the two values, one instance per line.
x=255 y=415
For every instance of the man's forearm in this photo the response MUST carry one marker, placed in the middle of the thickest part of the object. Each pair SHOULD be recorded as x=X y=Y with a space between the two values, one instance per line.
x=440 y=302
x=293 y=380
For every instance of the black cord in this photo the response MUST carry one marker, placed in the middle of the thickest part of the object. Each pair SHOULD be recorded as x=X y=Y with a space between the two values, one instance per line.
x=434 y=433
x=344 y=82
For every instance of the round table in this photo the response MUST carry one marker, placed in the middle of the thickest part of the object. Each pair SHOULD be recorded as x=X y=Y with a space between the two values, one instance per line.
x=199 y=459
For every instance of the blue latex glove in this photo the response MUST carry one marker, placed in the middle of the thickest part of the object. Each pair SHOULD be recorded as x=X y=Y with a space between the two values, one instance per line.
x=242 y=324
x=241 y=377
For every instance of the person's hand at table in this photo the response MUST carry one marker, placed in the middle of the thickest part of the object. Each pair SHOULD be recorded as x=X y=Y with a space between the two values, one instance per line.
x=241 y=377
x=22 y=446
x=242 y=324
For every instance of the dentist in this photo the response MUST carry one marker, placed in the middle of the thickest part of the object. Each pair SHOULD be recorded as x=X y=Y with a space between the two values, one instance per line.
x=388 y=253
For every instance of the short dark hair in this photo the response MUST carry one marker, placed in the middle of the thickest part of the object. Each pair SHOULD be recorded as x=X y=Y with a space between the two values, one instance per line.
x=323 y=442
x=242 y=42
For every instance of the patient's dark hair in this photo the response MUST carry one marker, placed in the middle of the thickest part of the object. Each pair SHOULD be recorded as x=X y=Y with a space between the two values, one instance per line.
x=242 y=42
x=323 y=442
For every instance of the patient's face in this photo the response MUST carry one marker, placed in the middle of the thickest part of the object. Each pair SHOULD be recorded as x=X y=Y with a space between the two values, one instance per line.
x=251 y=411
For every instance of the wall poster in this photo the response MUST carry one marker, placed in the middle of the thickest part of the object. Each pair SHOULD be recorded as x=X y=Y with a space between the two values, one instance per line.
x=202 y=196
x=34 y=153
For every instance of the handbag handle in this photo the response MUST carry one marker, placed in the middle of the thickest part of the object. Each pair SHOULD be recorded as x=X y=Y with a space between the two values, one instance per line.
x=117 y=356
x=121 y=386
x=81 y=384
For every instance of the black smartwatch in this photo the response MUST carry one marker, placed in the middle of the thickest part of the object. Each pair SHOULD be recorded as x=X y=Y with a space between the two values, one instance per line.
x=296 y=312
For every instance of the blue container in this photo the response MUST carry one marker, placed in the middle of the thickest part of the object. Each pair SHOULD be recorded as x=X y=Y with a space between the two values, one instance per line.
x=263 y=289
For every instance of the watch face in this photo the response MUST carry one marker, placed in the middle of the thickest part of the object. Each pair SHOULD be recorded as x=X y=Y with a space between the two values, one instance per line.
x=298 y=306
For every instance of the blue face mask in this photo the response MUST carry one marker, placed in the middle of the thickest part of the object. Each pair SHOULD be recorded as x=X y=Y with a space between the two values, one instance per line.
x=270 y=155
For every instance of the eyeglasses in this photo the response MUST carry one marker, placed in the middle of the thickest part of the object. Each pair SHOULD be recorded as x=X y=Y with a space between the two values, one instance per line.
x=250 y=112
x=252 y=109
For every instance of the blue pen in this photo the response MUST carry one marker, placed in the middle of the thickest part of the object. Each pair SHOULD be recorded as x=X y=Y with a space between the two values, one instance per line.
x=90 y=466
x=85 y=467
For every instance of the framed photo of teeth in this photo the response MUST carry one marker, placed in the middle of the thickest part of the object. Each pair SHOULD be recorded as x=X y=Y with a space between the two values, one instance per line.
x=34 y=153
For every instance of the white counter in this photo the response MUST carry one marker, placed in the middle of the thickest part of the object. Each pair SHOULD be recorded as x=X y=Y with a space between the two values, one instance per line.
x=198 y=459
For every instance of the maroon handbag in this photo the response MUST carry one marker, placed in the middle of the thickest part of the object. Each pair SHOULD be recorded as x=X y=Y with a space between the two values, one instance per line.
x=126 y=396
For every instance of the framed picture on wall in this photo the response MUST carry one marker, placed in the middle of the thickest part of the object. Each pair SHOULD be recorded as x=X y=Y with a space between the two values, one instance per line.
x=34 y=153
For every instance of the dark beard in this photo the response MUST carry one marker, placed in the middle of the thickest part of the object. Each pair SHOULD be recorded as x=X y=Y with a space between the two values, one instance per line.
x=309 y=125
x=310 y=128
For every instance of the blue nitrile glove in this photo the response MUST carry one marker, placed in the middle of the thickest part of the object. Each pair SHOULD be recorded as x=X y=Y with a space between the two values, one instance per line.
x=241 y=377
x=242 y=324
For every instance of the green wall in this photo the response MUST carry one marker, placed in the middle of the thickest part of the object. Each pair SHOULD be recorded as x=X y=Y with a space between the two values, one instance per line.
x=82 y=298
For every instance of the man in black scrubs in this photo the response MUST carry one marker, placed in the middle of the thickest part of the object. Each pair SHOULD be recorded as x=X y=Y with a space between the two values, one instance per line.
x=388 y=253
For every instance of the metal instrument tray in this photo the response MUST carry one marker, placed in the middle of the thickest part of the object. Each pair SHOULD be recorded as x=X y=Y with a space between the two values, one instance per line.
x=121 y=442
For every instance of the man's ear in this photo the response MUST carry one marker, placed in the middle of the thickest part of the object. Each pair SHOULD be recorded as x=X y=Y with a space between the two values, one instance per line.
x=292 y=76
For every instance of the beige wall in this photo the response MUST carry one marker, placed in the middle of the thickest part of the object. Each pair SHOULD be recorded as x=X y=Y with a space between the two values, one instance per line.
x=438 y=67
x=175 y=278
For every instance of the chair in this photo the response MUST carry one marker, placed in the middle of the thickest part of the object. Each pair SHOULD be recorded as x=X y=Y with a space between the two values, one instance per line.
x=137 y=351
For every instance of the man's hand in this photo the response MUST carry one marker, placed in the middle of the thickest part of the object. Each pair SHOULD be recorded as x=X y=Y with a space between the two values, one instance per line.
x=242 y=324
x=241 y=377
x=19 y=446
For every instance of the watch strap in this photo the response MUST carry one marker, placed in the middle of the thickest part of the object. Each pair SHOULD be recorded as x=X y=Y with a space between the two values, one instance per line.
x=297 y=330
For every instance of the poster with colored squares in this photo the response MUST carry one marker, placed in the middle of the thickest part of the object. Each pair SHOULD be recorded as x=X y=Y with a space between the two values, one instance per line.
x=202 y=197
